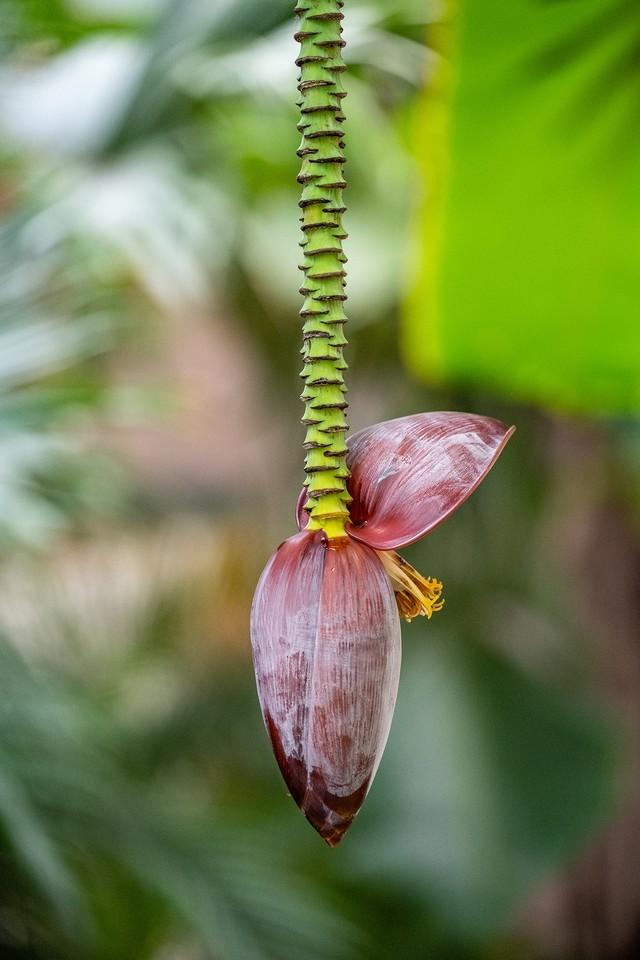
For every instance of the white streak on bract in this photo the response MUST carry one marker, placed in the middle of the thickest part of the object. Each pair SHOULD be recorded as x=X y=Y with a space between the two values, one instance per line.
x=356 y=670
x=283 y=636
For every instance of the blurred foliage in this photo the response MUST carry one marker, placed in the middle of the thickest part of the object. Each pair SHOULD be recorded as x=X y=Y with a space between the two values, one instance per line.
x=149 y=173
x=48 y=324
x=528 y=278
x=144 y=141
x=121 y=867
x=498 y=782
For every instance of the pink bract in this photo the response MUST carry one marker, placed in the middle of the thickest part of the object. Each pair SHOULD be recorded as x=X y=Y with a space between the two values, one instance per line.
x=326 y=646
x=410 y=474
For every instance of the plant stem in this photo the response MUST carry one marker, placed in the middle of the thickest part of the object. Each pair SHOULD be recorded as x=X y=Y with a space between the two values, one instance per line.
x=322 y=178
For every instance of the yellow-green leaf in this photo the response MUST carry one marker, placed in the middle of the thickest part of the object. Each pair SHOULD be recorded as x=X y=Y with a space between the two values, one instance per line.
x=528 y=251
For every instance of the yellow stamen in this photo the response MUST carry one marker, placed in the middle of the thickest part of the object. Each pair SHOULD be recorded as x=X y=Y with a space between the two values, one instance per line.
x=415 y=595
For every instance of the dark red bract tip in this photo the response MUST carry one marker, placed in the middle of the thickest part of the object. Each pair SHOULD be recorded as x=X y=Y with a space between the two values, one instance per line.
x=329 y=814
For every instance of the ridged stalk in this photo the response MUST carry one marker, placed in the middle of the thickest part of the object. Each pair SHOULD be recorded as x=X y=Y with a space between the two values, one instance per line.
x=322 y=179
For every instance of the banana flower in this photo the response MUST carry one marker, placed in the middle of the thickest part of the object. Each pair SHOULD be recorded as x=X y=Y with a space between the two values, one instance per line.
x=325 y=622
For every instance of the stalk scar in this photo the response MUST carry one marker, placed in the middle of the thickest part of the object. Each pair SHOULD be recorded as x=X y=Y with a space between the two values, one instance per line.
x=322 y=179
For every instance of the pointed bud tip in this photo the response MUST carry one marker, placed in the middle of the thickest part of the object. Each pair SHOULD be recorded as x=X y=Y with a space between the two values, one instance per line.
x=329 y=816
x=335 y=839
x=329 y=826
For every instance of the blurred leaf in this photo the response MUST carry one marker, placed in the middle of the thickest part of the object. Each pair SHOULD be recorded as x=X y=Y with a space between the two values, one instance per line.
x=36 y=851
x=184 y=26
x=46 y=329
x=528 y=279
x=495 y=782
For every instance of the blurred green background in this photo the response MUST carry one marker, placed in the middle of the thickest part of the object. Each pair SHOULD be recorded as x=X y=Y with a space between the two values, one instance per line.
x=150 y=461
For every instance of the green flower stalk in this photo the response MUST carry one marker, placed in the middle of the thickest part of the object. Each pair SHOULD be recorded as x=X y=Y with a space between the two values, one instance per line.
x=322 y=178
